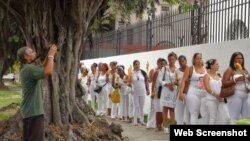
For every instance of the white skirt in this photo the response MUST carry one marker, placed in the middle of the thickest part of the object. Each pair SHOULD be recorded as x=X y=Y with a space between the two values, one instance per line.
x=168 y=97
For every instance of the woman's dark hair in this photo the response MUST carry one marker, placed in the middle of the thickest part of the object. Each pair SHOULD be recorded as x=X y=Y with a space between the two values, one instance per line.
x=172 y=54
x=195 y=55
x=21 y=54
x=113 y=63
x=121 y=66
x=136 y=61
x=234 y=55
x=182 y=57
x=159 y=60
x=94 y=65
x=165 y=61
x=210 y=62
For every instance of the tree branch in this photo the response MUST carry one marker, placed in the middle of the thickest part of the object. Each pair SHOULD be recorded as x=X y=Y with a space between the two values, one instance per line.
x=17 y=16
x=94 y=8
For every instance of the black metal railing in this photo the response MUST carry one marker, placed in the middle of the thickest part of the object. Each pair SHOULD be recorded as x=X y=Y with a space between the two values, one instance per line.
x=210 y=22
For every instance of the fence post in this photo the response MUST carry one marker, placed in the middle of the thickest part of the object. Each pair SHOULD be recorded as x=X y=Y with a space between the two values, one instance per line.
x=99 y=42
x=195 y=23
x=118 y=42
x=149 y=34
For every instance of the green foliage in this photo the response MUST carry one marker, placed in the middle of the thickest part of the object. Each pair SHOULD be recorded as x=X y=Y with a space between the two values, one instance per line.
x=184 y=6
x=145 y=118
x=126 y=7
x=89 y=104
x=16 y=66
x=14 y=39
x=104 y=23
x=243 y=122
x=116 y=8
x=173 y=2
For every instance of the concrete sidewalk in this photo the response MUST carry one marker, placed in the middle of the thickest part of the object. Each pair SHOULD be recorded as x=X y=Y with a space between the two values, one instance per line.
x=140 y=133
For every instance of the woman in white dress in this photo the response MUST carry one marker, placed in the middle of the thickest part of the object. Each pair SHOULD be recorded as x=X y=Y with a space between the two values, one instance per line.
x=196 y=94
x=161 y=63
x=181 y=112
x=92 y=84
x=169 y=90
x=84 y=80
x=140 y=89
x=103 y=80
x=238 y=103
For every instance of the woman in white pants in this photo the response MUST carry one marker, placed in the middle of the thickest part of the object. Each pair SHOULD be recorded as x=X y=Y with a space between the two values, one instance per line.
x=140 y=89
x=102 y=81
x=130 y=104
x=92 y=84
x=196 y=92
x=212 y=83
x=238 y=103
x=120 y=82
x=181 y=112
x=112 y=106
x=151 y=114
x=155 y=114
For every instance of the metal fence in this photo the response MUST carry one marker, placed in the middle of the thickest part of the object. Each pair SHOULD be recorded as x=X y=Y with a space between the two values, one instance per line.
x=211 y=22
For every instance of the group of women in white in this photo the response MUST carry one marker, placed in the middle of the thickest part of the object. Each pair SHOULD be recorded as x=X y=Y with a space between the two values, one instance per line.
x=132 y=90
x=189 y=94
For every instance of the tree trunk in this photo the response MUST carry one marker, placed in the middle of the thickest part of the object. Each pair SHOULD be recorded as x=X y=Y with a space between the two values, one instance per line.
x=2 y=60
x=65 y=23
x=3 y=55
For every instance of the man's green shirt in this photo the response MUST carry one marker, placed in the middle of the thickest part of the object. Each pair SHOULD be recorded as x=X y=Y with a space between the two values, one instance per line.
x=32 y=104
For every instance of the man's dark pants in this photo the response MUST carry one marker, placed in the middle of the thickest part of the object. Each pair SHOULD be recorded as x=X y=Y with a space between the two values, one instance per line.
x=33 y=128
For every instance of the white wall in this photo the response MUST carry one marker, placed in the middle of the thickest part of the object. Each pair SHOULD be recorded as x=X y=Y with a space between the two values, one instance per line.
x=220 y=51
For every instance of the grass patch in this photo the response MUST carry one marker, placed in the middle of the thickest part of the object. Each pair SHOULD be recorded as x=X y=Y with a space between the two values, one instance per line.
x=89 y=104
x=7 y=98
x=145 y=118
x=7 y=101
x=7 y=114
x=4 y=94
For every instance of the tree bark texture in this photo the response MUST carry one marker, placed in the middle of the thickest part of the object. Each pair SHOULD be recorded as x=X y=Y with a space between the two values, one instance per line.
x=66 y=23
x=4 y=50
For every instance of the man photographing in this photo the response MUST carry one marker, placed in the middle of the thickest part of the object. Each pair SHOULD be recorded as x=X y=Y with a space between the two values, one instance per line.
x=32 y=104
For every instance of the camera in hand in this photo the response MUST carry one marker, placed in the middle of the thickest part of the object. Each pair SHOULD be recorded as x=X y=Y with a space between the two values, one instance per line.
x=44 y=53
